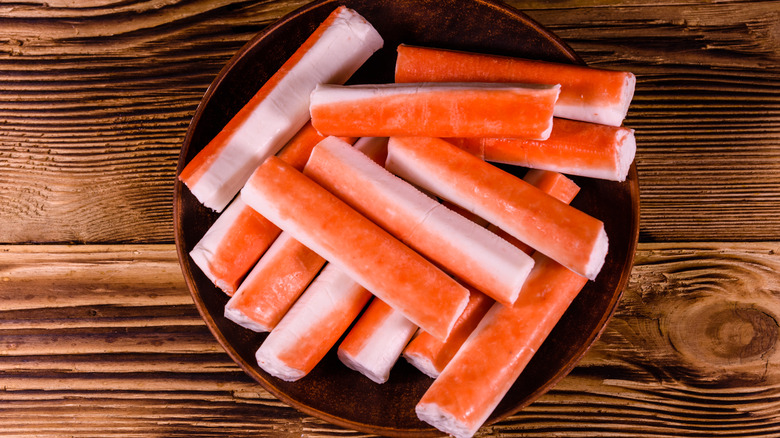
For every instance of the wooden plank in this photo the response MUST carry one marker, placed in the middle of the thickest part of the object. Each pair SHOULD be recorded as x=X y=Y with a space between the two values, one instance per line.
x=96 y=100
x=691 y=351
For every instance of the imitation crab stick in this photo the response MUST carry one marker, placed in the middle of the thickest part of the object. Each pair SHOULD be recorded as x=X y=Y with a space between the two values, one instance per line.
x=587 y=94
x=456 y=244
x=240 y=235
x=375 y=342
x=569 y=236
x=435 y=110
x=274 y=284
x=313 y=325
x=574 y=148
x=431 y=355
x=371 y=256
x=490 y=361
x=336 y=49
x=233 y=244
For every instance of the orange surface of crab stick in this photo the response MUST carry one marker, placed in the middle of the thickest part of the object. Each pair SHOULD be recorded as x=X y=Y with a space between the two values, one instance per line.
x=240 y=235
x=273 y=285
x=313 y=325
x=233 y=244
x=456 y=244
x=490 y=361
x=375 y=342
x=371 y=256
x=563 y=233
x=436 y=110
x=336 y=49
x=574 y=148
x=431 y=355
x=587 y=94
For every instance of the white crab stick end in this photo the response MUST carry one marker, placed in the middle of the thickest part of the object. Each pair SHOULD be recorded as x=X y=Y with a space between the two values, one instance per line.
x=458 y=245
x=376 y=341
x=313 y=325
x=339 y=46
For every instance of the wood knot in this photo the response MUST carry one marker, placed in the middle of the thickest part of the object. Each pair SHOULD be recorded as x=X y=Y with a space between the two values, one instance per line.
x=724 y=336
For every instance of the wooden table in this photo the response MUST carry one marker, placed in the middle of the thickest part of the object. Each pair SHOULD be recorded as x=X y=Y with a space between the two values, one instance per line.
x=99 y=336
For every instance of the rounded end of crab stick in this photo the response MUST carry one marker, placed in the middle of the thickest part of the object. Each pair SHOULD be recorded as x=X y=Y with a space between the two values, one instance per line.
x=598 y=255
x=423 y=363
x=239 y=317
x=626 y=152
x=270 y=363
x=376 y=376
x=432 y=414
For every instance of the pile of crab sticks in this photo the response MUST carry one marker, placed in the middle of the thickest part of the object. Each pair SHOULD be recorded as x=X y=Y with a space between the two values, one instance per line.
x=376 y=209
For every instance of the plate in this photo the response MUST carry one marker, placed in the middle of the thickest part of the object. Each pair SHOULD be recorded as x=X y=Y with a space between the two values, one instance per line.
x=331 y=391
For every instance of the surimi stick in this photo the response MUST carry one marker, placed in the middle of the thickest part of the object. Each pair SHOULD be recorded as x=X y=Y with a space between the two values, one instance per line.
x=376 y=340
x=273 y=285
x=285 y=270
x=574 y=148
x=336 y=49
x=587 y=94
x=435 y=110
x=454 y=243
x=550 y=226
x=240 y=235
x=490 y=361
x=431 y=355
x=371 y=256
x=313 y=325
x=232 y=245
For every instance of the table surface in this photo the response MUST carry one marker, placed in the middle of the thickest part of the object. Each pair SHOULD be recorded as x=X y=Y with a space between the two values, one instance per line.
x=99 y=336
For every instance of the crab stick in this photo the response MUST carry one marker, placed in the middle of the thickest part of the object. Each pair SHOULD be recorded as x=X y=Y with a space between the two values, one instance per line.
x=473 y=383
x=431 y=355
x=336 y=49
x=274 y=284
x=456 y=244
x=313 y=325
x=569 y=236
x=435 y=110
x=587 y=94
x=240 y=235
x=371 y=256
x=574 y=148
x=233 y=244
x=375 y=342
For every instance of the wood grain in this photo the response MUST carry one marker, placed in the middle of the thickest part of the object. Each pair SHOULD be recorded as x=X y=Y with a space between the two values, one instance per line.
x=96 y=99
x=104 y=341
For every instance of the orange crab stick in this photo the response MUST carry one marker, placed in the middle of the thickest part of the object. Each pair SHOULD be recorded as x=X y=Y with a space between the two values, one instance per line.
x=431 y=355
x=313 y=325
x=240 y=235
x=550 y=226
x=454 y=243
x=376 y=340
x=273 y=285
x=371 y=256
x=490 y=361
x=336 y=49
x=436 y=110
x=587 y=94
x=574 y=148
x=233 y=244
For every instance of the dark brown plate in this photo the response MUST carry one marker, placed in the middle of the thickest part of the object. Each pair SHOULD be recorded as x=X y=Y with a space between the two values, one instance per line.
x=333 y=392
